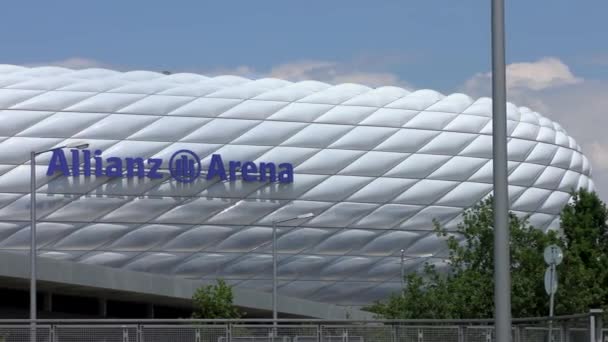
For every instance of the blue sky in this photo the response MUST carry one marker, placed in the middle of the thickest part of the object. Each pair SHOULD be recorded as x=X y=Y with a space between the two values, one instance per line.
x=435 y=44
x=559 y=48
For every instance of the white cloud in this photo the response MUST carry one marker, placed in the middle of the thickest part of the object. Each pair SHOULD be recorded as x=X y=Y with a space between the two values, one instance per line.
x=74 y=63
x=362 y=70
x=546 y=73
x=372 y=79
x=241 y=70
x=318 y=70
x=302 y=70
x=335 y=73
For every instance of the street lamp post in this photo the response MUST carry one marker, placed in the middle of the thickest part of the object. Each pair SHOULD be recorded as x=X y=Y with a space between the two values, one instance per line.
x=33 y=305
x=502 y=276
x=274 y=263
x=402 y=273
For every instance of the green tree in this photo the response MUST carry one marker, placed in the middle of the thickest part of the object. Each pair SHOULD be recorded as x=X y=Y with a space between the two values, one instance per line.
x=215 y=301
x=467 y=290
x=583 y=275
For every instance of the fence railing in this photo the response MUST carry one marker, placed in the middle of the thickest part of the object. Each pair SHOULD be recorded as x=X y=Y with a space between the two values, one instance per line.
x=574 y=328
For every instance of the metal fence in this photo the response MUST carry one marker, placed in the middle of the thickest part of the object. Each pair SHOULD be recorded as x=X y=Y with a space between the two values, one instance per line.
x=574 y=328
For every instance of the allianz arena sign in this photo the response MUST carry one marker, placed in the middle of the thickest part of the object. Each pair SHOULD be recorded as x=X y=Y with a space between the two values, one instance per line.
x=184 y=166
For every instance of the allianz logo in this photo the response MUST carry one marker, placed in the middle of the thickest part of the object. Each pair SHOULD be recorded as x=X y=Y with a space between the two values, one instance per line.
x=184 y=166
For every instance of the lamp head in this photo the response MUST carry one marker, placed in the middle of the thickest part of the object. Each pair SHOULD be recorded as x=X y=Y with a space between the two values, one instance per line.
x=78 y=145
x=303 y=216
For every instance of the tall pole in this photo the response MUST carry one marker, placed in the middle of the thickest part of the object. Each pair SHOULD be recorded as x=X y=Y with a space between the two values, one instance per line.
x=402 y=273
x=33 y=305
x=275 y=315
x=274 y=276
x=33 y=244
x=502 y=276
x=551 y=302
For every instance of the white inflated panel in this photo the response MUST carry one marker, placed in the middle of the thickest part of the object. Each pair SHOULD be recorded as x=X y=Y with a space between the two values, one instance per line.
x=375 y=166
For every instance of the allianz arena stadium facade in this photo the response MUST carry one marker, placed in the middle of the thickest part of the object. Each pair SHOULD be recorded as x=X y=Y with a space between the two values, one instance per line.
x=374 y=166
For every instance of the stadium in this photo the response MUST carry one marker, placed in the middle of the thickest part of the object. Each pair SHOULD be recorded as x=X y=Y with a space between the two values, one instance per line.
x=184 y=176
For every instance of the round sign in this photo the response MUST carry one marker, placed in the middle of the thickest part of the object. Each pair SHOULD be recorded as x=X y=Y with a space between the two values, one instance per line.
x=553 y=255
x=550 y=273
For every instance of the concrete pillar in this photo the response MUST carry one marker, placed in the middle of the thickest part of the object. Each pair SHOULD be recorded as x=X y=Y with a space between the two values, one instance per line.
x=47 y=302
x=149 y=310
x=102 y=307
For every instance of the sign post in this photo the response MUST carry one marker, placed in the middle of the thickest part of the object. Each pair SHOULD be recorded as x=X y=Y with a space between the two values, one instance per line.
x=553 y=256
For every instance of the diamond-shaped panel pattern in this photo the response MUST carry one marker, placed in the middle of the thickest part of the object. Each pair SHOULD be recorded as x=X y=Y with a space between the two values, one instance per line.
x=376 y=166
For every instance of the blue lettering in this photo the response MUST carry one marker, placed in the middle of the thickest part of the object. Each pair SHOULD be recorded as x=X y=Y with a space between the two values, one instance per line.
x=269 y=168
x=98 y=164
x=114 y=167
x=248 y=169
x=286 y=175
x=131 y=167
x=75 y=162
x=58 y=163
x=133 y=163
x=216 y=168
x=233 y=167
x=155 y=164
x=86 y=156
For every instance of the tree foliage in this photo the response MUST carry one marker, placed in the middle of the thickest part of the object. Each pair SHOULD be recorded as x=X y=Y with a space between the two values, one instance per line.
x=215 y=301
x=466 y=290
x=584 y=272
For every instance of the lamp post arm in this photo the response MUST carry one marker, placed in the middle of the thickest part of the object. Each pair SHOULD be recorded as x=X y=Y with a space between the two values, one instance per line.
x=49 y=150
x=283 y=221
x=77 y=145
